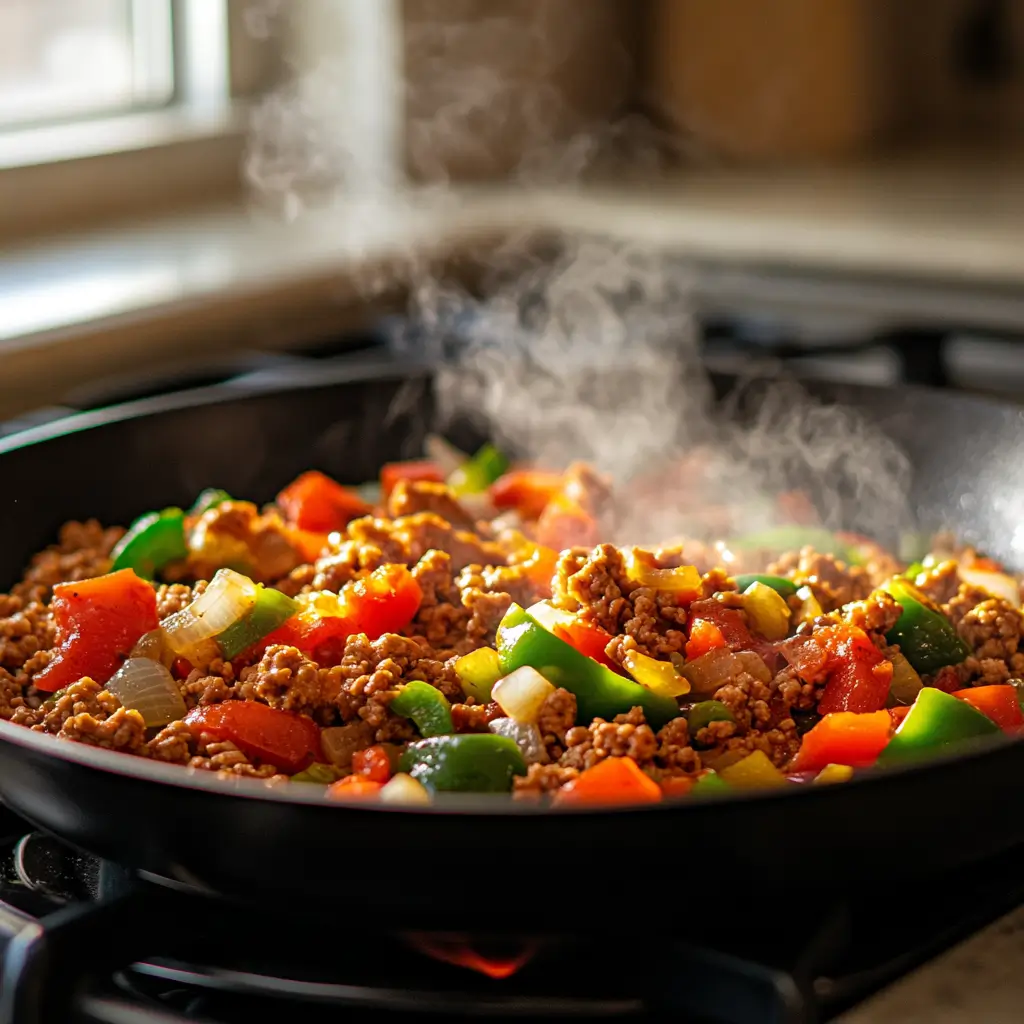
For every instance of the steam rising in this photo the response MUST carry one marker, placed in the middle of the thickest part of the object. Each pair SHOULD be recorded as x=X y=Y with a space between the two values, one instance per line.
x=587 y=347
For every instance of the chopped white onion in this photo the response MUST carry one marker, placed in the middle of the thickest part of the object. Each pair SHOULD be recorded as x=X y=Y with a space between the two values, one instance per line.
x=520 y=694
x=153 y=645
x=403 y=789
x=228 y=598
x=149 y=688
x=999 y=584
x=525 y=735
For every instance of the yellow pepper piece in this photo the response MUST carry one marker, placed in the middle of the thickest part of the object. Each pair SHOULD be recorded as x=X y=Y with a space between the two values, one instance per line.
x=659 y=677
x=767 y=610
x=834 y=773
x=684 y=579
x=755 y=771
x=810 y=607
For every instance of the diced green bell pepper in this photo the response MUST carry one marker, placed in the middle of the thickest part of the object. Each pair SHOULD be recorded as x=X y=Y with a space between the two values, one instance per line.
x=477 y=473
x=272 y=609
x=467 y=763
x=599 y=691
x=704 y=713
x=478 y=671
x=935 y=720
x=711 y=784
x=210 y=498
x=927 y=638
x=426 y=706
x=321 y=774
x=152 y=541
x=781 y=586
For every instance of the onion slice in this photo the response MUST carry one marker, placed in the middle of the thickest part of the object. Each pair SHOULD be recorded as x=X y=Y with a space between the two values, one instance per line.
x=998 y=584
x=148 y=687
x=228 y=598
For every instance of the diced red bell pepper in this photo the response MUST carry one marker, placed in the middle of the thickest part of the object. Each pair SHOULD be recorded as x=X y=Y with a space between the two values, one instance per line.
x=999 y=702
x=733 y=627
x=541 y=566
x=588 y=639
x=565 y=524
x=415 y=471
x=98 y=622
x=317 y=503
x=372 y=763
x=528 y=491
x=383 y=602
x=844 y=738
x=858 y=673
x=308 y=543
x=354 y=787
x=615 y=780
x=898 y=713
x=676 y=785
x=704 y=636
x=290 y=742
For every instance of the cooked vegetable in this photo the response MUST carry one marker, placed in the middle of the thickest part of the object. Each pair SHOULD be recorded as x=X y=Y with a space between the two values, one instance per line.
x=682 y=580
x=936 y=721
x=272 y=608
x=152 y=541
x=711 y=784
x=615 y=780
x=477 y=473
x=781 y=586
x=998 y=584
x=809 y=608
x=229 y=597
x=521 y=694
x=588 y=639
x=906 y=683
x=702 y=714
x=153 y=645
x=374 y=762
x=833 y=773
x=210 y=498
x=710 y=671
x=767 y=610
x=755 y=771
x=525 y=735
x=478 y=671
x=426 y=706
x=404 y=789
x=997 y=702
x=659 y=677
x=355 y=787
x=705 y=636
x=383 y=602
x=472 y=762
x=98 y=622
x=925 y=636
x=317 y=503
x=599 y=691
x=415 y=470
x=859 y=675
x=149 y=688
x=320 y=774
x=288 y=741
x=526 y=490
x=844 y=738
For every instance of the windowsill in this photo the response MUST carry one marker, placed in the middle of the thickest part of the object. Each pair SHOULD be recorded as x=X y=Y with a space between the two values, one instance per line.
x=896 y=244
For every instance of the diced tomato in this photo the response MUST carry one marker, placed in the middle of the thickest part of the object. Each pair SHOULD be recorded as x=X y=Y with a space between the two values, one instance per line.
x=526 y=490
x=615 y=780
x=565 y=524
x=383 y=602
x=588 y=639
x=413 y=471
x=999 y=702
x=290 y=742
x=844 y=738
x=898 y=713
x=733 y=627
x=704 y=636
x=858 y=673
x=676 y=785
x=354 y=787
x=181 y=668
x=372 y=763
x=98 y=622
x=317 y=503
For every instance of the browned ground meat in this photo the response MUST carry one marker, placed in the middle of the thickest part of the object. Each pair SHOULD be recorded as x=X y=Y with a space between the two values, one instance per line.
x=834 y=583
x=992 y=629
x=285 y=679
x=513 y=580
x=556 y=717
x=85 y=697
x=675 y=754
x=409 y=497
x=82 y=551
x=27 y=635
x=214 y=755
x=601 y=593
x=876 y=615
x=475 y=717
x=940 y=583
x=626 y=735
x=172 y=597
x=235 y=531
x=964 y=600
x=123 y=730
x=12 y=694
x=541 y=779
x=174 y=743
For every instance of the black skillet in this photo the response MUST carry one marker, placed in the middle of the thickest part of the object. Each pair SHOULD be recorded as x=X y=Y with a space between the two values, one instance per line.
x=486 y=860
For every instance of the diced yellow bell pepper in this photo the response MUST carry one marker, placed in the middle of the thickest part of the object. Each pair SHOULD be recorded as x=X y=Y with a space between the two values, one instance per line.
x=767 y=611
x=809 y=608
x=834 y=773
x=659 y=677
x=640 y=568
x=755 y=771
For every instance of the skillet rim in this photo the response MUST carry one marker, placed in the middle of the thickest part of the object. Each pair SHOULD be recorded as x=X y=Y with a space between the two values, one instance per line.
x=383 y=366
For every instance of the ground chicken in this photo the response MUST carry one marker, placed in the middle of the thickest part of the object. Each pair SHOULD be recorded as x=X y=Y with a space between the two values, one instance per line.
x=833 y=582
x=81 y=552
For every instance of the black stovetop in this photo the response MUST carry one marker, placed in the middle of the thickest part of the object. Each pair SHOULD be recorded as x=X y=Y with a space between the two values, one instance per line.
x=86 y=940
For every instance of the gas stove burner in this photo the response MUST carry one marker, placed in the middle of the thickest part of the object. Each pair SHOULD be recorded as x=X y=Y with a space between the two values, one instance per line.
x=45 y=865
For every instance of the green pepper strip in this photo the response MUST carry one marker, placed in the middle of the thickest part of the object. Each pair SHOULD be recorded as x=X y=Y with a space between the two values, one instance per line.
x=426 y=706
x=151 y=542
x=781 y=586
x=321 y=774
x=711 y=784
x=272 y=609
x=704 y=713
x=935 y=721
x=210 y=498
x=468 y=763
x=477 y=473
x=927 y=638
x=599 y=691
